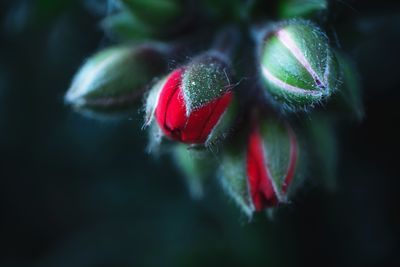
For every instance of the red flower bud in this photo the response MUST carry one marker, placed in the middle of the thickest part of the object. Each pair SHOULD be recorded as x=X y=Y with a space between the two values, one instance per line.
x=261 y=170
x=271 y=162
x=192 y=100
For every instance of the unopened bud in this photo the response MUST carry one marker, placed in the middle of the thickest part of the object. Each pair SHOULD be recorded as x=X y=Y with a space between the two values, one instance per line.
x=272 y=154
x=259 y=173
x=190 y=103
x=297 y=65
x=114 y=79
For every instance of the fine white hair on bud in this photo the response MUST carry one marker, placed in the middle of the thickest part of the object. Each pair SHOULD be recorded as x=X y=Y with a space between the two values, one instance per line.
x=114 y=79
x=297 y=67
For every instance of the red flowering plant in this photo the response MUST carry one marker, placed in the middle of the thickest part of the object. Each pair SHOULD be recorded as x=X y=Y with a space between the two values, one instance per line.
x=251 y=109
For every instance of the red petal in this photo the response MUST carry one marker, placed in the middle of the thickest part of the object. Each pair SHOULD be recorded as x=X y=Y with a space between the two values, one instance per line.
x=203 y=120
x=171 y=113
x=261 y=189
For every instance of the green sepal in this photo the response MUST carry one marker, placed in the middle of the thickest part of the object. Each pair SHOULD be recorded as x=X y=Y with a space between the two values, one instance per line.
x=205 y=79
x=225 y=125
x=232 y=171
x=233 y=177
x=155 y=136
x=151 y=100
x=276 y=139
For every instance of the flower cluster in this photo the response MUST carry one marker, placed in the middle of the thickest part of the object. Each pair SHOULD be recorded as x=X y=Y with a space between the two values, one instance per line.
x=254 y=108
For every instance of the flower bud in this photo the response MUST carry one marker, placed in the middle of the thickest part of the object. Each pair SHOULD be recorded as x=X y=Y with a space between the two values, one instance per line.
x=114 y=79
x=272 y=153
x=301 y=8
x=192 y=101
x=297 y=65
x=260 y=173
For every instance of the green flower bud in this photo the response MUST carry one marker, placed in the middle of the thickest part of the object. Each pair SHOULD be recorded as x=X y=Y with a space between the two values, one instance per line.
x=301 y=8
x=297 y=65
x=196 y=167
x=114 y=79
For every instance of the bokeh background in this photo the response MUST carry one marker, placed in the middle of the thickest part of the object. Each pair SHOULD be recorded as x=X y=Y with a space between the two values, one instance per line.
x=79 y=192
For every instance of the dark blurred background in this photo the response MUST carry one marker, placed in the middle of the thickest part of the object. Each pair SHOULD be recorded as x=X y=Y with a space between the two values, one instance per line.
x=79 y=192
